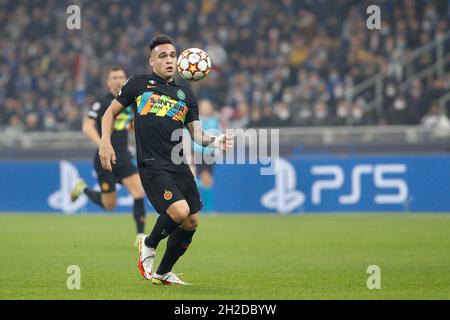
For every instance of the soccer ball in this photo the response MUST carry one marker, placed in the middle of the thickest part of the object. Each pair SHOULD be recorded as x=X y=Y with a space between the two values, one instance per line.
x=193 y=64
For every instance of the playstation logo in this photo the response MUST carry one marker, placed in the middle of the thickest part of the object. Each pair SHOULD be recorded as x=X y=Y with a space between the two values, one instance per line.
x=60 y=199
x=284 y=197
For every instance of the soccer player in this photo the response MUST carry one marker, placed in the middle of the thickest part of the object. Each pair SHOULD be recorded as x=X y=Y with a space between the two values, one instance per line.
x=162 y=107
x=123 y=170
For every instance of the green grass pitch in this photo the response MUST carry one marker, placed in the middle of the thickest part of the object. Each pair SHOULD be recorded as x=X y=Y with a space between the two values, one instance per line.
x=231 y=257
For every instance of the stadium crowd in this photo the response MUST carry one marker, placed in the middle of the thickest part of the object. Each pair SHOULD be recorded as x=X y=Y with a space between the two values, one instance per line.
x=275 y=63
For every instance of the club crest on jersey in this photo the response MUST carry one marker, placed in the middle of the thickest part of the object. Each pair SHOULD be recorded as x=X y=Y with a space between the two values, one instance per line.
x=168 y=195
x=105 y=186
x=181 y=95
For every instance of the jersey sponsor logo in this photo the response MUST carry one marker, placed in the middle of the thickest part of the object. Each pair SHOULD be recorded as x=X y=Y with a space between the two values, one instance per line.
x=151 y=84
x=161 y=106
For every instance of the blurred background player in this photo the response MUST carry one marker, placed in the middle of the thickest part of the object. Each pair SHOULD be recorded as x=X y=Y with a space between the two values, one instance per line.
x=124 y=171
x=203 y=170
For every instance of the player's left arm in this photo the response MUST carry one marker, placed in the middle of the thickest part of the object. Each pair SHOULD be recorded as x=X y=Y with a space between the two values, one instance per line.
x=200 y=136
x=203 y=138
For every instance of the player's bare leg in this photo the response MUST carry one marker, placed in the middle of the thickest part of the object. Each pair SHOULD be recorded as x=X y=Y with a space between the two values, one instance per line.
x=106 y=200
x=207 y=179
x=109 y=200
x=179 y=211
x=205 y=185
x=134 y=186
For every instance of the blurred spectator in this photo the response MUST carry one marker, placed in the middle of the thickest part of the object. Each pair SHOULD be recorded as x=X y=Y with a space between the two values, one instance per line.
x=255 y=118
x=241 y=117
x=342 y=113
x=225 y=117
x=400 y=113
x=436 y=121
x=15 y=125
x=284 y=114
x=49 y=122
x=267 y=117
x=32 y=122
x=321 y=116
x=417 y=99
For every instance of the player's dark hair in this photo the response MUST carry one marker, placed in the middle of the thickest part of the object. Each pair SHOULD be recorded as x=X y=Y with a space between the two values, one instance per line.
x=115 y=68
x=159 y=40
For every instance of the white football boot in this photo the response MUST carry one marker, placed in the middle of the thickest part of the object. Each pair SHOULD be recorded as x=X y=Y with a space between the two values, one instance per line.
x=138 y=237
x=167 y=279
x=146 y=259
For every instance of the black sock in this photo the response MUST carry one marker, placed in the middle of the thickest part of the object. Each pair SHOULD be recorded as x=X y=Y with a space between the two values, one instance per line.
x=177 y=245
x=163 y=227
x=94 y=196
x=139 y=214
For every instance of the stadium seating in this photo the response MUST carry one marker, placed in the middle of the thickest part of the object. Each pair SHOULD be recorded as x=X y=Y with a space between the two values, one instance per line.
x=276 y=63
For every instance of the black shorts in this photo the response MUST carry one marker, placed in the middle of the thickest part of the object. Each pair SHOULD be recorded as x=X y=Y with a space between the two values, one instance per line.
x=165 y=185
x=107 y=180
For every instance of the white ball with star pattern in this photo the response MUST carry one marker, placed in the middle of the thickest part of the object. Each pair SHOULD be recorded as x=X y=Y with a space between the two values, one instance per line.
x=193 y=64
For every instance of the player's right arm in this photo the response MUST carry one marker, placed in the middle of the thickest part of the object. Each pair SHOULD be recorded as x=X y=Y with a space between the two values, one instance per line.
x=90 y=131
x=90 y=122
x=106 y=150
